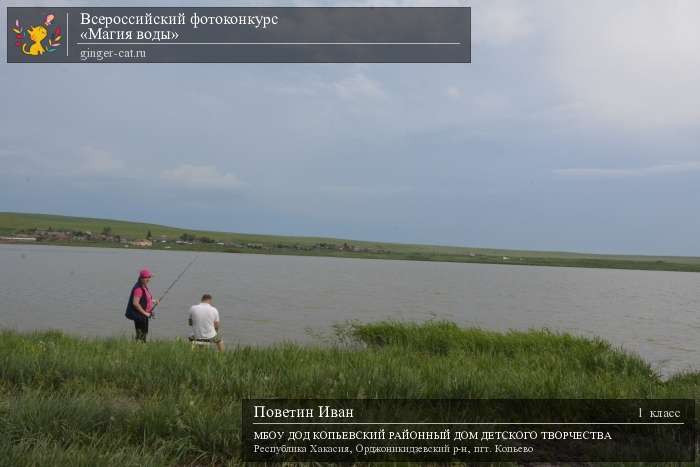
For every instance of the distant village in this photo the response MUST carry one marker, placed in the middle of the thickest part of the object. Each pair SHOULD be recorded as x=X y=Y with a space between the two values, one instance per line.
x=51 y=235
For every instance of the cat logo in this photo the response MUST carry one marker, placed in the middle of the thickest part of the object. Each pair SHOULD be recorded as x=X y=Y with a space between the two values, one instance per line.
x=31 y=40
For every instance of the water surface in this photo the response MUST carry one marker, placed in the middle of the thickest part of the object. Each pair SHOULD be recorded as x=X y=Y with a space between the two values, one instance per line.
x=266 y=299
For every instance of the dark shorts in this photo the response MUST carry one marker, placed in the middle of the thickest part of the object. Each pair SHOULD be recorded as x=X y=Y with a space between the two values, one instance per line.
x=212 y=340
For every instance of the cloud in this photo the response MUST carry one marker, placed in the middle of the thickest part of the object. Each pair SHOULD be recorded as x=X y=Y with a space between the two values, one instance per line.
x=98 y=162
x=454 y=92
x=201 y=178
x=7 y=154
x=355 y=86
x=86 y=162
x=365 y=190
x=494 y=22
x=358 y=86
x=661 y=169
x=303 y=90
x=627 y=64
x=500 y=22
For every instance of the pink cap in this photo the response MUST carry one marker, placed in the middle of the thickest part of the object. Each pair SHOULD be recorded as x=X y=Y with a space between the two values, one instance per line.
x=144 y=274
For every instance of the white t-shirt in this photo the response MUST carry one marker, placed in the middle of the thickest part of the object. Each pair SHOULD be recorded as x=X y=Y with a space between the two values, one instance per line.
x=203 y=317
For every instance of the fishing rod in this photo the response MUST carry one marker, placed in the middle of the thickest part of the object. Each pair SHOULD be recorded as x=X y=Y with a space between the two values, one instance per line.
x=153 y=310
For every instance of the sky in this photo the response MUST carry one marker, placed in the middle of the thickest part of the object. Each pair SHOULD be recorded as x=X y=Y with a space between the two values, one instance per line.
x=576 y=127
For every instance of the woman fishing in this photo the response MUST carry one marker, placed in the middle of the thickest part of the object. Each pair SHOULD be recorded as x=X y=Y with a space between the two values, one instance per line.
x=140 y=306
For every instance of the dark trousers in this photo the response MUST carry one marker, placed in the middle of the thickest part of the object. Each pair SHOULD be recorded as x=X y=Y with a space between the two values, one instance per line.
x=141 y=326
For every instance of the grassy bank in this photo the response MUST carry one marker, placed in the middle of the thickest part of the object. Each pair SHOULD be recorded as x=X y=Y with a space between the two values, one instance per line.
x=17 y=223
x=70 y=401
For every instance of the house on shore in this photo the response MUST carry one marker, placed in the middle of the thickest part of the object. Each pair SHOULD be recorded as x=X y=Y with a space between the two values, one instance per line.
x=141 y=243
x=17 y=239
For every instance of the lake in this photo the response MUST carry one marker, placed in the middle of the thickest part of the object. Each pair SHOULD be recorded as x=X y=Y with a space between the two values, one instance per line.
x=265 y=299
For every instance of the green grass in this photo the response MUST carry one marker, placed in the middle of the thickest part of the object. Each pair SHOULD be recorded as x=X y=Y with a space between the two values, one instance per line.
x=11 y=223
x=71 y=401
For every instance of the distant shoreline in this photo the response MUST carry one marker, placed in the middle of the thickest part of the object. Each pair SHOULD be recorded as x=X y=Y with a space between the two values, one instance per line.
x=44 y=229
x=587 y=263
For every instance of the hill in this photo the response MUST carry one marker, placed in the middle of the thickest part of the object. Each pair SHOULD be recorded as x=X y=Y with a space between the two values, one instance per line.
x=167 y=237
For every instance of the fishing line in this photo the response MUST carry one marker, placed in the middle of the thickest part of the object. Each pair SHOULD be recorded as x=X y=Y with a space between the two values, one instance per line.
x=153 y=316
